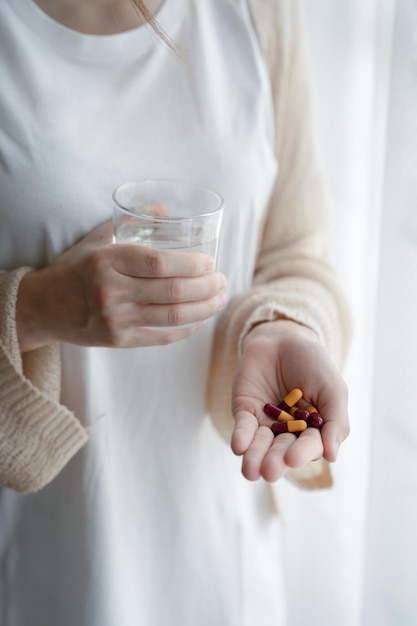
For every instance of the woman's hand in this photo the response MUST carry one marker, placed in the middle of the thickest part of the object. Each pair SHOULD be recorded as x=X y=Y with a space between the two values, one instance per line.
x=278 y=357
x=103 y=294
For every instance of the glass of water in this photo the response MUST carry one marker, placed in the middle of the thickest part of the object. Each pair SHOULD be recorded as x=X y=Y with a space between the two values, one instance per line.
x=170 y=214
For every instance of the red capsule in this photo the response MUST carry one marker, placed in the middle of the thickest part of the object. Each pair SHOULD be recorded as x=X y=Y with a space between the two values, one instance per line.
x=276 y=413
x=315 y=420
x=299 y=414
x=294 y=426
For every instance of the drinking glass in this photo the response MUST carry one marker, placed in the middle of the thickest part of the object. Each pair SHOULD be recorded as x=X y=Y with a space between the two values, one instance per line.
x=170 y=214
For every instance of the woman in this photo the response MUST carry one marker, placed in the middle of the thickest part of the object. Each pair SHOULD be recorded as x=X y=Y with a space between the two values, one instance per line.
x=135 y=509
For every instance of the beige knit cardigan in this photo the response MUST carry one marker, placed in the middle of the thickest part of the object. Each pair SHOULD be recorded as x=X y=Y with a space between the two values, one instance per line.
x=38 y=435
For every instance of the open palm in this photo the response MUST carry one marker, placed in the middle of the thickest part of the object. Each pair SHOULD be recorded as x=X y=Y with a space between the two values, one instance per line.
x=278 y=357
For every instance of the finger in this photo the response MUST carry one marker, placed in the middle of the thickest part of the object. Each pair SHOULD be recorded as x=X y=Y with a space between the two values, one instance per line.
x=255 y=454
x=146 y=262
x=333 y=433
x=152 y=209
x=334 y=410
x=246 y=425
x=169 y=290
x=180 y=313
x=145 y=337
x=305 y=448
x=274 y=465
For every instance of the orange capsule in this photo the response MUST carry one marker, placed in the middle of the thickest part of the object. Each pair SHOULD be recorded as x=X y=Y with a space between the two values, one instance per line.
x=290 y=399
x=285 y=417
x=295 y=426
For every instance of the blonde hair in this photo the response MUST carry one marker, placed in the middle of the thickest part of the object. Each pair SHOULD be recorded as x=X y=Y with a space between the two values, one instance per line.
x=147 y=15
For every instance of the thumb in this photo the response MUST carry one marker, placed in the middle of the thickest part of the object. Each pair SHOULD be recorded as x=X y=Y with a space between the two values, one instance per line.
x=334 y=411
x=99 y=237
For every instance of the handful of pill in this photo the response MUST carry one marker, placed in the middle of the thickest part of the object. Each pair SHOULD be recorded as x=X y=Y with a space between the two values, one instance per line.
x=291 y=418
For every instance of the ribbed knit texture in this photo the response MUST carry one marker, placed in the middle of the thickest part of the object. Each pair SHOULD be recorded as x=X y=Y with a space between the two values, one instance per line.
x=37 y=435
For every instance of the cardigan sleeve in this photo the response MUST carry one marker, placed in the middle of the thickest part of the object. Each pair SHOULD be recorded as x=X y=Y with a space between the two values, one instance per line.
x=38 y=436
x=293 y=276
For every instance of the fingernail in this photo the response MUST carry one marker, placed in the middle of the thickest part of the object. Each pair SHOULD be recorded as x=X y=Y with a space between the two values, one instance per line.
x=222 y=300
x=209 y=263
x=223 y=281
x=333 y=452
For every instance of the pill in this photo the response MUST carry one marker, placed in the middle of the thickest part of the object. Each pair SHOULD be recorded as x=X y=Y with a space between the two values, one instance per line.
x=315 y=418
x=292 y=398
x=285 y=417
x=276 y=413
x=299 y=414
x=295 y=426
x=316 y=421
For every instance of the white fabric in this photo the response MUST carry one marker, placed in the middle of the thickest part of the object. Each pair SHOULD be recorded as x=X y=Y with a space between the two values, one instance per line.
x=152 y=523
x=390 y=554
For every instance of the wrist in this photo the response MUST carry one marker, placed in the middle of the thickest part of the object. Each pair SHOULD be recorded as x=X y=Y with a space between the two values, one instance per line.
x=27 y=313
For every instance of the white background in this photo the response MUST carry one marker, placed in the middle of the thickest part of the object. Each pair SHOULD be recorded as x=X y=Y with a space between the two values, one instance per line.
x=351 y=553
